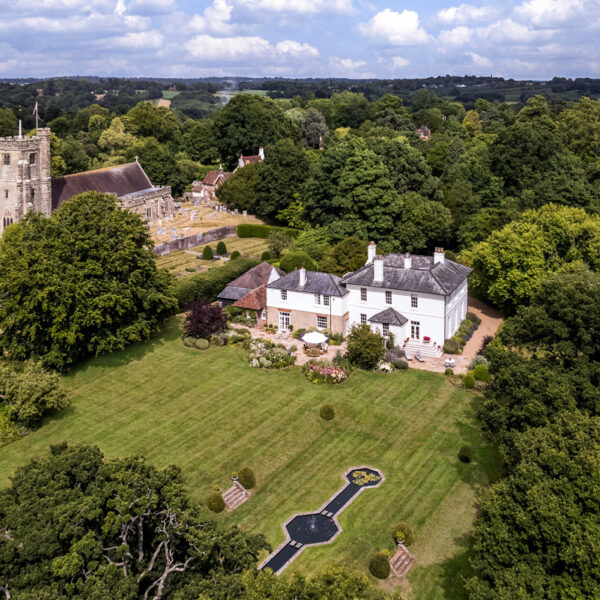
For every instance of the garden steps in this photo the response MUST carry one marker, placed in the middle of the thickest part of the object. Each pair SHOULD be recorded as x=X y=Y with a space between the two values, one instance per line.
x=235 y=496
x=402 y=561
x=424 y=349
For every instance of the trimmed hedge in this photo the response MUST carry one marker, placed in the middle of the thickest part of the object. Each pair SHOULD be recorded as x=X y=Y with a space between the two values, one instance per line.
x=215 y=502
x=465 y=454
x=210 y=283
x=207 y=253
x=246 y=478
x=294 y=260
x=235 y=254
x=266 y=255
x=327 y=412
x=481 y=373
x=221 y=248
x=379 y=566
x=247 y=230
x=469 y=381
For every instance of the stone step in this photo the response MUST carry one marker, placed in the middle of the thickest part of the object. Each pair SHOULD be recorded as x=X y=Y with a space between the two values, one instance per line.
x=402 y=561
x=235 y=496
x=424 y=349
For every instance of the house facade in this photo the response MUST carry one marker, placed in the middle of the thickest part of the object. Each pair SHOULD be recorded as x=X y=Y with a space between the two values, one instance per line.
x=419 y=298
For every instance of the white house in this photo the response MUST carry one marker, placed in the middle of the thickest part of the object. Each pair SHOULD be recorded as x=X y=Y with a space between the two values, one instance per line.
x=419 y=298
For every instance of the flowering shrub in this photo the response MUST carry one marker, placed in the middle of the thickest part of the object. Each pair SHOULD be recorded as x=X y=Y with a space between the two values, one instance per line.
x=384 y=367
x=322 y=371
x=265 y=355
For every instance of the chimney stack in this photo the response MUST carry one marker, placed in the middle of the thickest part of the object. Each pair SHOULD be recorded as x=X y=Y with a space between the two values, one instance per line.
x=378 y=269
x=407 y=261
x=302 y=277
x=371 y=252
x=439 y=256
x=261 y=153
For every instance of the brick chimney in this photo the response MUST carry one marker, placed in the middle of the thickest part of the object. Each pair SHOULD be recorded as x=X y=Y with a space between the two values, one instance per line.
x=439 y=256
x=407 y=261
x=261 y=153
x=371 y=252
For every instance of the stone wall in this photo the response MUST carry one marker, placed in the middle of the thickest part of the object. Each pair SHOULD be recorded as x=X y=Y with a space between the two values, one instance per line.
x=198 y=239
x=301 y=319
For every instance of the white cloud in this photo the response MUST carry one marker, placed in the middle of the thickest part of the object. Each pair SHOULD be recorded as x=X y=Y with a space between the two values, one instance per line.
x=216 y=18
x=508 y=31
x=150 y=7
x=480 y=62
x=459 y=36
x=246 y=49
x=546 y=13
x=143 y=39
x=345 y=67
x=398 y=62
x=465 y=13
x=396 y=29
x=300 y=6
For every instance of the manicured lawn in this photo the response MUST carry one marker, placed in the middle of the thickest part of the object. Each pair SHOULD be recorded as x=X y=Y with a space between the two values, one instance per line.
x=170 y=95
x=211 y=413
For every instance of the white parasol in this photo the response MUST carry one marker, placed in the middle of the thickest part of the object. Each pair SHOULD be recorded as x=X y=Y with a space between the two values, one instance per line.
x=314 y=337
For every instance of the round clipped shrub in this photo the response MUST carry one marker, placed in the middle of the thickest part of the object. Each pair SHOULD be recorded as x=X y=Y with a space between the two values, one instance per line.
x=246 y=478
x=293 y=348
x=207 y=253
x=235 y=254
x=448 y=371
x=400 y=364
x=266 y=255
x=201 y=344
x=215 y=502
x=221 y=248
x=327 y=412
x=465 y=454
x=481 y=373
x=379 y=566
x=452 y=346
x=294 y=260
x=403 y=533
x=188 y=341
x=469 y=381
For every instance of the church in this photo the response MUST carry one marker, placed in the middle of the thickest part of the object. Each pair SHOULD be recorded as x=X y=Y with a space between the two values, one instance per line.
x=26 y=183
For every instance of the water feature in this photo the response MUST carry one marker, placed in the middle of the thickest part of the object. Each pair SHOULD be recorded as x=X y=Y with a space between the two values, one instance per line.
x=320 y=527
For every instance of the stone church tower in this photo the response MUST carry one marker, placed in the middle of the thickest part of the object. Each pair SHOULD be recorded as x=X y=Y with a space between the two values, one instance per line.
x=25 y=183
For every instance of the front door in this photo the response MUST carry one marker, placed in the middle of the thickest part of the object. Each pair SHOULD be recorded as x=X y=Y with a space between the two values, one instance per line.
x=415 y=330
x=284 y=320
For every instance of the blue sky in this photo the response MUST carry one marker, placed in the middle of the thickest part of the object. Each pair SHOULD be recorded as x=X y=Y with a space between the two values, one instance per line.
x=299 y=38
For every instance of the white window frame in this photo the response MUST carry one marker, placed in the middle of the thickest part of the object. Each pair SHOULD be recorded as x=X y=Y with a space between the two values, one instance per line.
x=363 y=318
x=385 y=327
x=415 y=330
x=318 y=299
x=414 y=301
x=363 y=294
x=320 y=320
x=326 y=300
x=283 y=295
x=263 y=315
x=388 y=297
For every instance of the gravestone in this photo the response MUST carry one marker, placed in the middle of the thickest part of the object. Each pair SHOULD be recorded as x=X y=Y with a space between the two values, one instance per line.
x=245 y=213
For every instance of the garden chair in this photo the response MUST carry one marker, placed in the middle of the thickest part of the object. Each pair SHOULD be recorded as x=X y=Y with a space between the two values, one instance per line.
x=419 y=357
x=408 y=355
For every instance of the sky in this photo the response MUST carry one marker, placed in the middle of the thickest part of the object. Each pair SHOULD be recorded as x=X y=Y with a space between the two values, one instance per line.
x=528 y=39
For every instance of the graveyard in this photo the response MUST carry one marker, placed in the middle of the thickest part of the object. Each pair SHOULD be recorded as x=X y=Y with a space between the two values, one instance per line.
x=210 y=413
x=191 y=219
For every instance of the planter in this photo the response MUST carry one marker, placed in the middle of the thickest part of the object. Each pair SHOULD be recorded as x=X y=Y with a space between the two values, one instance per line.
x=426 y=339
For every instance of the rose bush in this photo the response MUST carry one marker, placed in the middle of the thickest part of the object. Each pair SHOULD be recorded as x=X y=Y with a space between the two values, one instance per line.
x=323 y=371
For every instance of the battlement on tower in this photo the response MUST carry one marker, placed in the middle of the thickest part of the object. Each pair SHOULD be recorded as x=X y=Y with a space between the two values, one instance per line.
x=15 y=143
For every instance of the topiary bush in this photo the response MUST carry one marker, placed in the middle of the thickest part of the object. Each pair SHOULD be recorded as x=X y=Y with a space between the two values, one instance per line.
x=215 y=502
x=327 y=412
x=469 y=381
x=221 y=248
x=481 y=373
x=379 y=566
x=403 y=532
x=207 y=253
x=452 y=346
x=266 y=255
x=201 y=344
x=246 y=478
x=465 y=454
x=448 y=372
x=294 y=260
x=235 y=254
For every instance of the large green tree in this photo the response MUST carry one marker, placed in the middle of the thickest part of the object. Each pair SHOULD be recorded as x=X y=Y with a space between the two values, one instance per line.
x=78 y=526
x=239 y=191
x=81 y=282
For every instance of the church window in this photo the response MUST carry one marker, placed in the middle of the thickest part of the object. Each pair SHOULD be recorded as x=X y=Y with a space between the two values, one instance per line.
x=6 y=193
x=149 y=212
x=6 y=159
x=32 y=194
x=32 y=158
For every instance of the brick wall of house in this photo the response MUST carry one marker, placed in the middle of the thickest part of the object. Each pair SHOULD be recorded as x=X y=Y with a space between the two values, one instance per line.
x=301 y=319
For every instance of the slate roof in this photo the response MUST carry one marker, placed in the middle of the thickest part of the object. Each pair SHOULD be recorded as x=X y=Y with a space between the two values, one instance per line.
x=120 y=180
x=424 y=276
x=254 y=300
x=316 y=283
x=248 y=282
x=389 y=316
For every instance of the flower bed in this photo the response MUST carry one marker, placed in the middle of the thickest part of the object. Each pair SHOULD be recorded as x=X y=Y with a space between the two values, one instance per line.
x=265 y=354
x=322 y=371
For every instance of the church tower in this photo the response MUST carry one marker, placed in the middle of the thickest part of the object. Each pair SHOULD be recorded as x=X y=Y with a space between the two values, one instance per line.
x=24 y=176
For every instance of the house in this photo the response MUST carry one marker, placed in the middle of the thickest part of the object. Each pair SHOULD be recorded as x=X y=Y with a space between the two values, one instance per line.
x=305 y=299
x=424 y=133
x=206 y=189
x=420 y=298
x=245 y=160
x=248 y=291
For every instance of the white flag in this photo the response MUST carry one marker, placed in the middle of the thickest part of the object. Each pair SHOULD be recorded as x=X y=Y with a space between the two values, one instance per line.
x=35 y=109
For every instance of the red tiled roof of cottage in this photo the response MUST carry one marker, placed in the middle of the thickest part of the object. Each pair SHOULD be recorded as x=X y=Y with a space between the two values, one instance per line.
x=256 y=276
x=254 y=300
x=119 y=180
x=251 y=159
x=212 y=177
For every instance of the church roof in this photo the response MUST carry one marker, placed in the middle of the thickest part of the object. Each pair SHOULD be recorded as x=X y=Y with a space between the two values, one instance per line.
x=120 y=180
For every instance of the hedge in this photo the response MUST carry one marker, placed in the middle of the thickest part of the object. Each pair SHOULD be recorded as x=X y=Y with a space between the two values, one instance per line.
x=210 y=283
x=247 y=230
x=294 y=260
x=247 y=478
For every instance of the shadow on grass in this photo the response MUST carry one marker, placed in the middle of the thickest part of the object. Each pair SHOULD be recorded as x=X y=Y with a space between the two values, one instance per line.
x=455 y=570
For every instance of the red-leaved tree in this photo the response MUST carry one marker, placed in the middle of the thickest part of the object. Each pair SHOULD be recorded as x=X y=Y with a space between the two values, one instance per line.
x=203 y=319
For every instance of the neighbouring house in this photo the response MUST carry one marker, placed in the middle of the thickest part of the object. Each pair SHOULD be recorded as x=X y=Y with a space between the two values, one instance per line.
x=419 y=298
x=248 y=291
x=305 y=299
x=206 y=189
x=424 y=133
x=244 y=160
